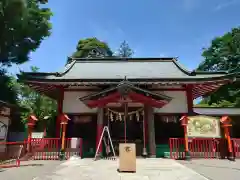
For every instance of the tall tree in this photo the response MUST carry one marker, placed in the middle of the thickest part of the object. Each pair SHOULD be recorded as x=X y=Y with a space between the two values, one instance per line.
x=224 y=55
x=23 y=26
x=91 y=47
x=124 y=50
x=8 y=91
x=36 y=103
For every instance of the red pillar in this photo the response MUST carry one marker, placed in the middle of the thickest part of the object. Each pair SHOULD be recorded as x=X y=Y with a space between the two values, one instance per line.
x=99 y=129
x=189 y=93
x=146 y=123
x=60 y=110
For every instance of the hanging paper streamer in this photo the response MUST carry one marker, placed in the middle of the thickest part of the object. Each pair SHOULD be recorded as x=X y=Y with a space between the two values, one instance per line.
x=130 y=117
x=137 y=116
x=115 y=116
x=111 y=116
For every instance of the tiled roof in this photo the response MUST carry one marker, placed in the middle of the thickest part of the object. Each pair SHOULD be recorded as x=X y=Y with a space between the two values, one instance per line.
x=132 y=68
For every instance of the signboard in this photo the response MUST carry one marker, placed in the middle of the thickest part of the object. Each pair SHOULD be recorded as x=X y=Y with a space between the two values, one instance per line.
x=82 y=119
x=203 y=126
x=37 y=134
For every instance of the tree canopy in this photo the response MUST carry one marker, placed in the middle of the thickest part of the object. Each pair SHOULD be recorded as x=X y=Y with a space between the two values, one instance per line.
x=224 y=55
x=124 y=50
x=23 y=26
x=34 y=103
x=85 y=46
x=8 y=91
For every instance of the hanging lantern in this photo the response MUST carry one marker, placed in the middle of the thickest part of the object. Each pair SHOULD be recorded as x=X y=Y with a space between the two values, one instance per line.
x=184 y=120
x=225 y=120
x=32 y=119
x=64 y=118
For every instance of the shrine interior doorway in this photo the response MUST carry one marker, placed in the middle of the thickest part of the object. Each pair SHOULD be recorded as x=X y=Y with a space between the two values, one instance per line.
x=166 y=127
x=134 y=127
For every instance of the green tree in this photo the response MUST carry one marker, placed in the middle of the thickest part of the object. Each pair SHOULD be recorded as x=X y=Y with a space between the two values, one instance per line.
x=224 y=55
x=124 y=50
x=8 y=91
x=86 y=46
x=42 y=106
x=23 y=26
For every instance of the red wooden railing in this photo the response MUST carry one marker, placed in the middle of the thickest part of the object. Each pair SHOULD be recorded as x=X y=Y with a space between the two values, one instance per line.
x=10 y=153
x=45 y=148
x=203 y=147
x=77 y=151
x=48 y=148
x=236 y=147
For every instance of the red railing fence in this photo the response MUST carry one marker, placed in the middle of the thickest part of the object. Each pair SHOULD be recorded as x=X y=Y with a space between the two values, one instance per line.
x=236 y=147
x=45 y=148
x=198 y=147
x=74 y=147
x=49 y=148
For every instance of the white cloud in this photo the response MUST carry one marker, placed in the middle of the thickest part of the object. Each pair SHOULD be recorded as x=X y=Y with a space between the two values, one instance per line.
x=162 y=55
x=226 y=4
x=190 y=4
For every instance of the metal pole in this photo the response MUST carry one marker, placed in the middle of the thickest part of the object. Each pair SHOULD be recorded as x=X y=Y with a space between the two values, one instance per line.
x=125 y=121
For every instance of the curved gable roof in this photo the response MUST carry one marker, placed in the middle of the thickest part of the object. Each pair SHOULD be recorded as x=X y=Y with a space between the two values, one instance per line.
x=119 y=68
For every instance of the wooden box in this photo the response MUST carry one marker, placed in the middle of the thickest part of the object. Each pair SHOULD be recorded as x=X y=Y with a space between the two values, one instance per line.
x=127 y=157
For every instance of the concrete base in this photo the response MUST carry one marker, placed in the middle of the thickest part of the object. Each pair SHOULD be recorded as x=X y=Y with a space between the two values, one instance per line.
x=144 y=154
x=187 y=156
x=152 y=156
x=231 y=157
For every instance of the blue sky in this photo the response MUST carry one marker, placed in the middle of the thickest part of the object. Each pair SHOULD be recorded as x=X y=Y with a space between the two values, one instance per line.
x=153 y=28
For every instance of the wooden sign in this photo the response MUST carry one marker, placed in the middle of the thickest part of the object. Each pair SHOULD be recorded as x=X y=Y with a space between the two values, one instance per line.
x=127 y=157
x=82 y=119
x=203 y=126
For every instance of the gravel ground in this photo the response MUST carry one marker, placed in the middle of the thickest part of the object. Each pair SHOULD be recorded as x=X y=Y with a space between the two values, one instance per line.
x=215 y=169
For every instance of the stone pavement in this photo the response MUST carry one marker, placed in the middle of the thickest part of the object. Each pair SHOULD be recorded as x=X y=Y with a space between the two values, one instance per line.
x=215 y=169
x=29 y=170
x=147 y=169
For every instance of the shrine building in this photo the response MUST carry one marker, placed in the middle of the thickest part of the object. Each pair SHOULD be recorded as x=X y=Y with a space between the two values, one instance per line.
x=140 y=99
